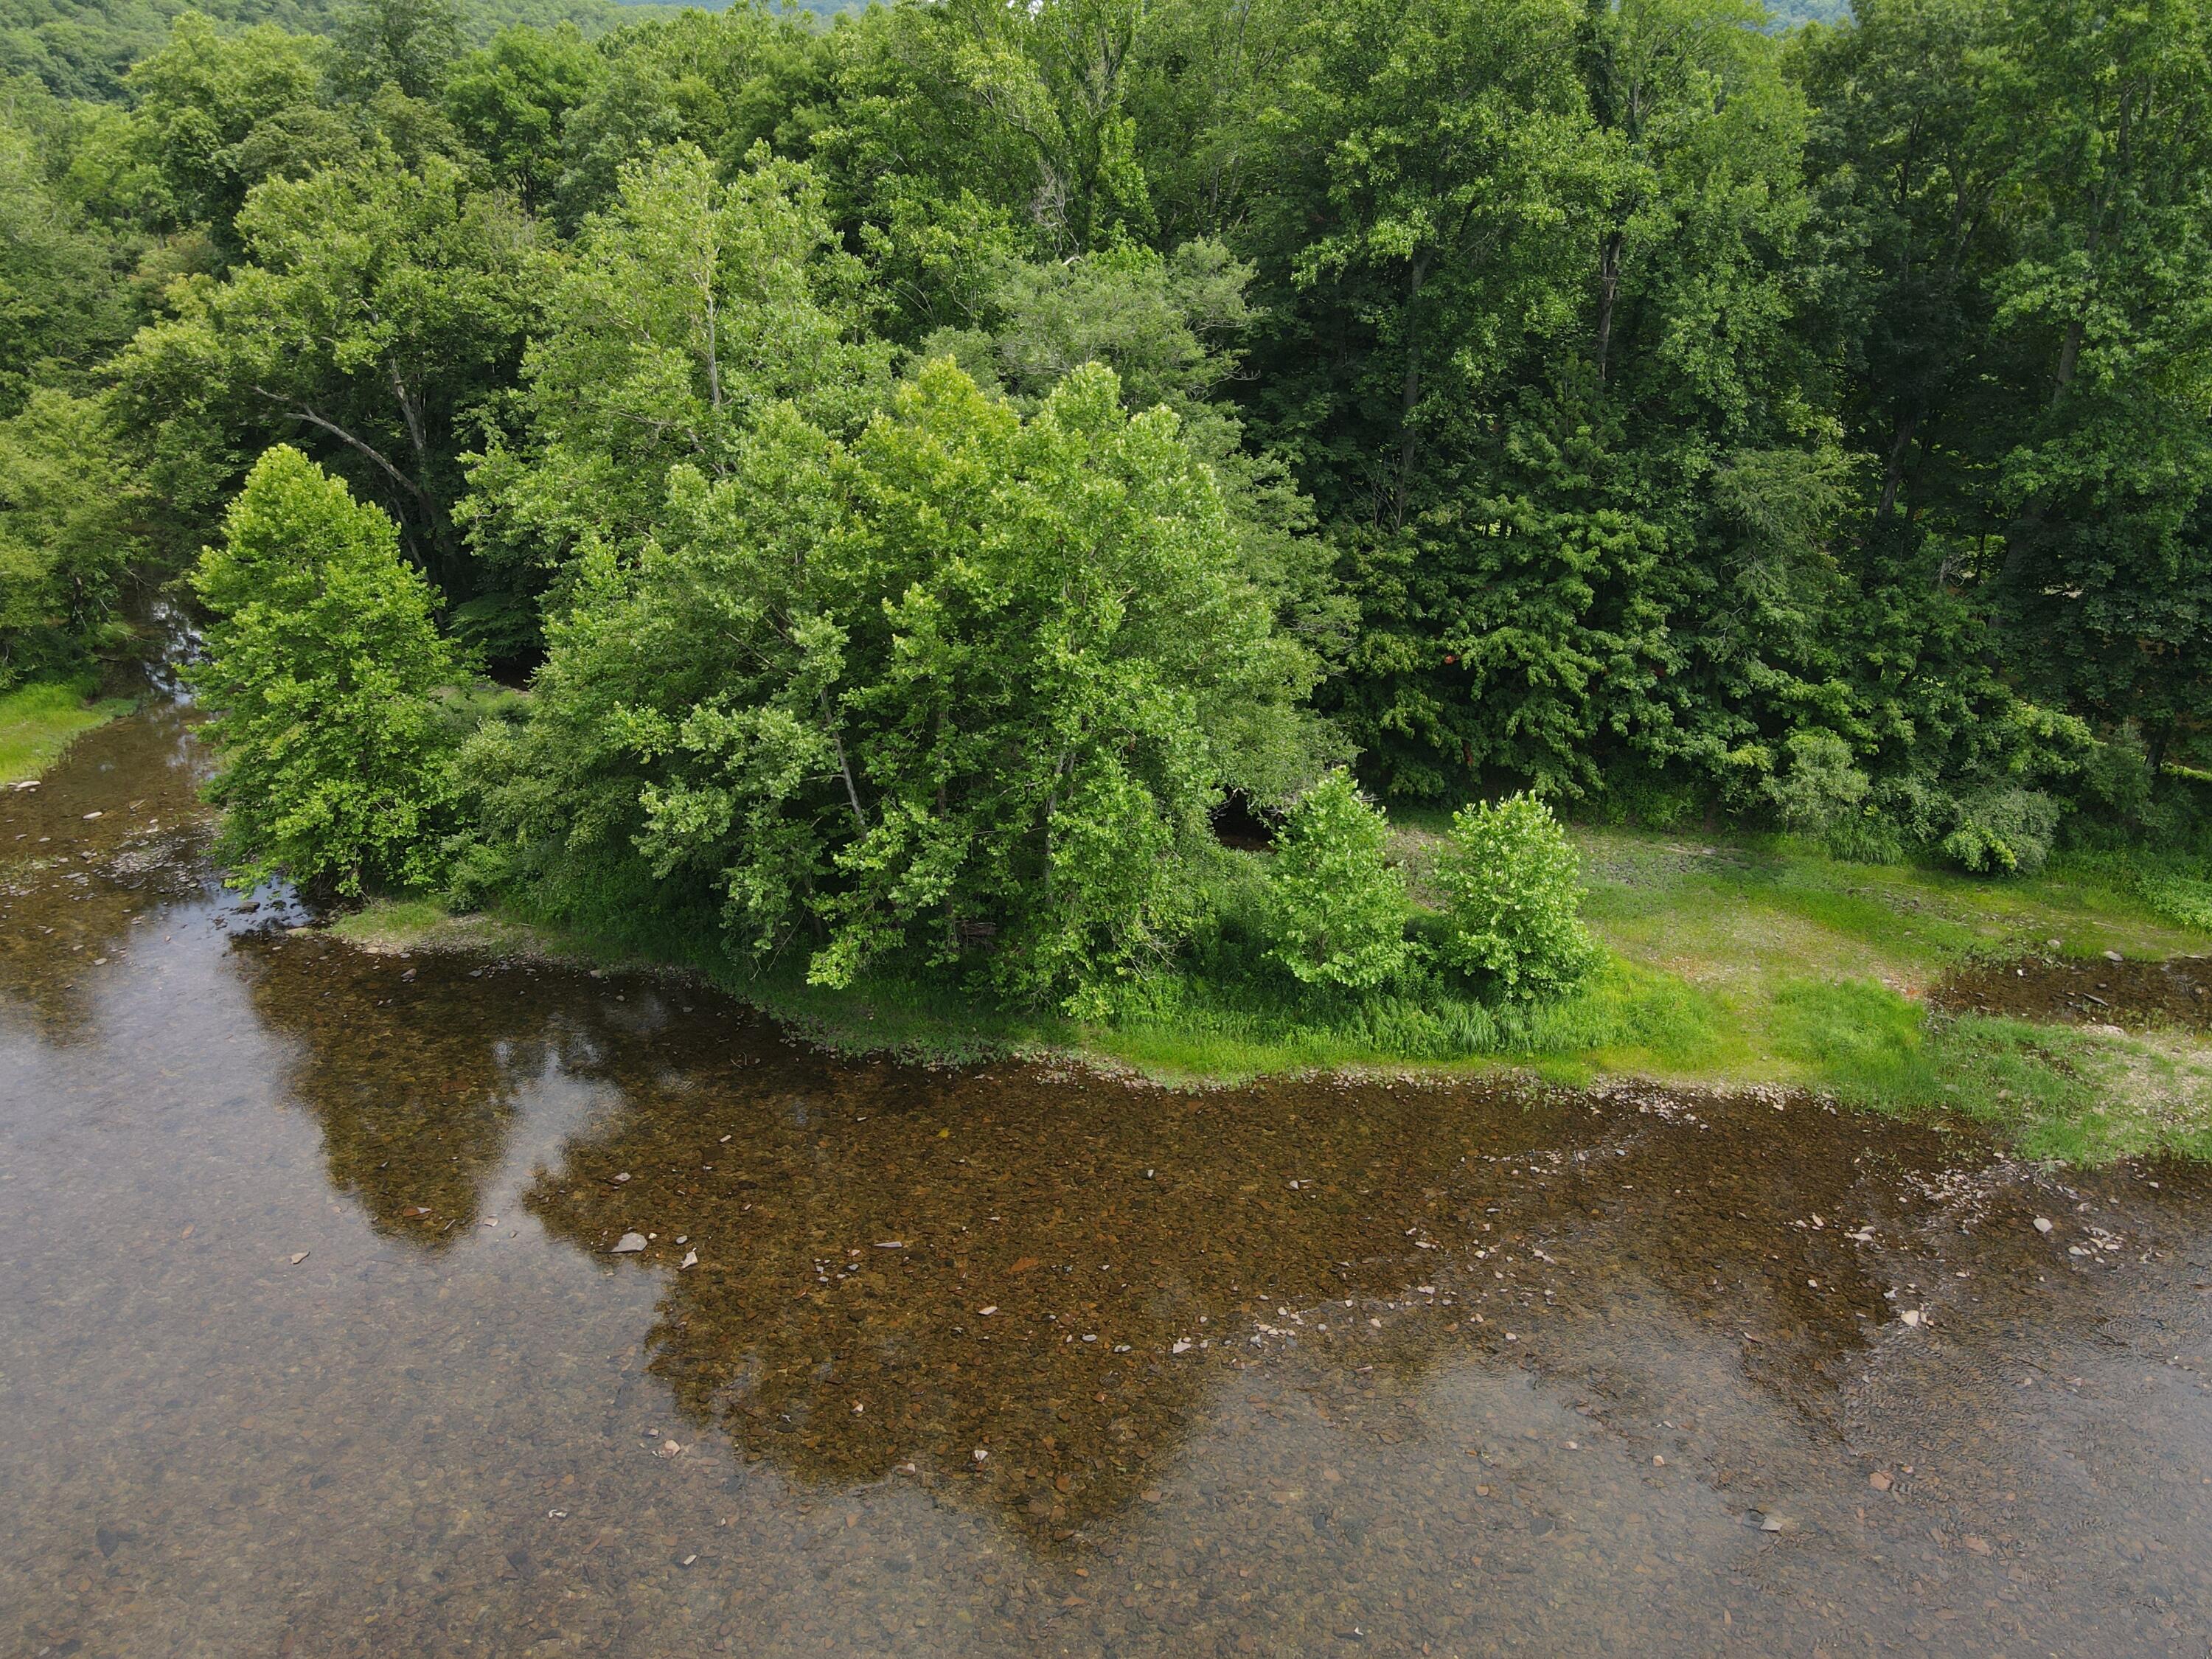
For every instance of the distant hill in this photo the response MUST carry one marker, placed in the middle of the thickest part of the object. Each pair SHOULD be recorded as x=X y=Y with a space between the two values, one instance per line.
x=1787 y=14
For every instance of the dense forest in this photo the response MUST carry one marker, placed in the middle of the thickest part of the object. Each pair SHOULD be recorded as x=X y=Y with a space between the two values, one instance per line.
x=910 y=470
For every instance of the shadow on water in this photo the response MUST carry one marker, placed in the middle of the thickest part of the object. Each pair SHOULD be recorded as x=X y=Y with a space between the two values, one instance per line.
x=896 y=1268
x=323 y=1341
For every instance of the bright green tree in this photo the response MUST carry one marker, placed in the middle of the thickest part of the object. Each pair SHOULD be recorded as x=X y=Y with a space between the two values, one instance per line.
x=323 y=673
x=64 y=306
x=719 y=82
x=1337 y=906
x=1512 y=886
x=381 y=307
x=512 y=99
x=961 y=692
x=218 y=114
x=690 y=306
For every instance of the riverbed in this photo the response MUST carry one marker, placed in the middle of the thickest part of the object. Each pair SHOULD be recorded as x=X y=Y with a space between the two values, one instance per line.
x=366 y=1304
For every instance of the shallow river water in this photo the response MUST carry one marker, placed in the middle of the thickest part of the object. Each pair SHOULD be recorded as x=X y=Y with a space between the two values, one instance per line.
x=315 y=1339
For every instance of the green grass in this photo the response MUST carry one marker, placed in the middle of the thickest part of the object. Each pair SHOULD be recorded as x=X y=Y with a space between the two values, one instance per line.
x=2079 y=1096
x=37 y=722
x=1732 y=911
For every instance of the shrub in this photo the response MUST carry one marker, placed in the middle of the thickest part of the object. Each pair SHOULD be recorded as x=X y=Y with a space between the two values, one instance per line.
x=2003 y=831
x=1866 y=836
x=324 y=672
x=1822 y=789
x=1512 y=884
x=1336 y=907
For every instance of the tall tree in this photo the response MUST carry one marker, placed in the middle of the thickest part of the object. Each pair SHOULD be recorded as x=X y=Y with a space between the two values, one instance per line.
x=322 y=672
x=511 y=102
x=960 y=692
x=380 y=307
x=408 y=44
x=2107 y=316
x=690 y=308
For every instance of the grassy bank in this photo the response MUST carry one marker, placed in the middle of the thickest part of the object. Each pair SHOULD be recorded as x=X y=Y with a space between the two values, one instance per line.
x=1730 y=961
x=38 y=720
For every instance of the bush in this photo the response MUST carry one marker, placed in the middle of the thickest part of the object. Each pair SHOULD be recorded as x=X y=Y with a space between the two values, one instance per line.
x=1336 y=907
x=324 y=672
x=2003 y=831
x=1512 y=884
x=1822 y=790
x=1866 y=836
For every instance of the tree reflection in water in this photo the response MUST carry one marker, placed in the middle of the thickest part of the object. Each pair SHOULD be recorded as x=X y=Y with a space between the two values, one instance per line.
x=413 y=1069
x=853 y=1222
x=898 y=1269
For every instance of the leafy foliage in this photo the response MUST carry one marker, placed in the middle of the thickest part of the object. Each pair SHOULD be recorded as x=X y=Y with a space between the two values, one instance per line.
x=690 y=307
x=961 y=691
x=2003 y=831
x=1337 y=906
x=1653 y=403
x=67 y=537
x=323 y=672
x=1512 y=887
x=380 y=304
x=84 y=48
x=1821 y=788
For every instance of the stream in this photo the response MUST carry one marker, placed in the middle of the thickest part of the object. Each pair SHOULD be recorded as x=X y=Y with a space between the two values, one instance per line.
x=320 y=1338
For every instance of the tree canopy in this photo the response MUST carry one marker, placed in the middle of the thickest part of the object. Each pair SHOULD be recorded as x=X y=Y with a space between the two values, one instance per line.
x=899 y=448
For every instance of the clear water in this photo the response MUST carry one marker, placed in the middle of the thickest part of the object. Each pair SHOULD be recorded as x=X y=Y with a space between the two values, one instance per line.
x=1004 y=1361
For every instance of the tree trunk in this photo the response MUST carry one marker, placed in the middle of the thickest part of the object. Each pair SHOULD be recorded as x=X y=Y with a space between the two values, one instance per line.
x=1409 y=395
x=1609 y=287
x=1893 y=473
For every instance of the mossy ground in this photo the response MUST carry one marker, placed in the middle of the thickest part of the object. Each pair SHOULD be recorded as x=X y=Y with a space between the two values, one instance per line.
x=1731 y=961
x=38 y=720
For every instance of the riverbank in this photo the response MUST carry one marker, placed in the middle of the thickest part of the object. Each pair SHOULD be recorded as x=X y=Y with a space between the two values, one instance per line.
x=38 y=721
x=1731 y=962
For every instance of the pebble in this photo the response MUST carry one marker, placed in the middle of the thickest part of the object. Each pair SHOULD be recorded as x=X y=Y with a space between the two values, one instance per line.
x=629 y=1244
x=2043 y=1224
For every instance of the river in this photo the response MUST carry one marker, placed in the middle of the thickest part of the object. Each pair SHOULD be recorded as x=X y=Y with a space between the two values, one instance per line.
x=318 y=1340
